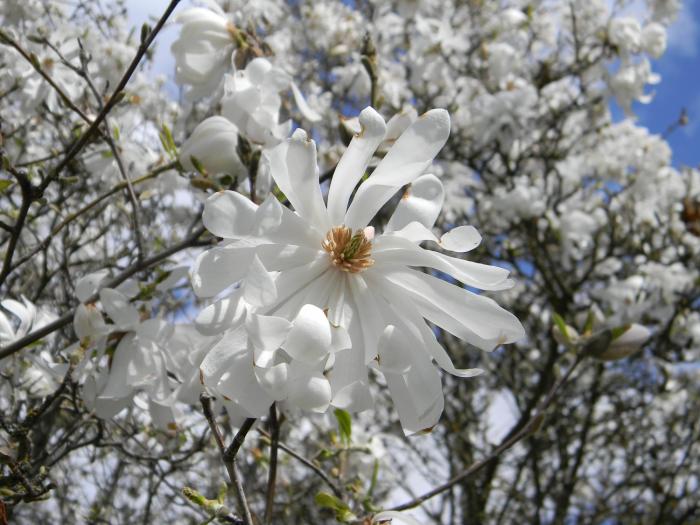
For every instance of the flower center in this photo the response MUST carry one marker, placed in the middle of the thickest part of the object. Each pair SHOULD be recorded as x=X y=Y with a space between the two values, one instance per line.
x=349 y=252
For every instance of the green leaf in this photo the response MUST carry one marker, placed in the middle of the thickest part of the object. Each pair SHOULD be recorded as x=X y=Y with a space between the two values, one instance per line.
x=344 y=425
x=588 y=326
x=4 y=184
x=561 y=325
x=166 y=139
x=342 y=512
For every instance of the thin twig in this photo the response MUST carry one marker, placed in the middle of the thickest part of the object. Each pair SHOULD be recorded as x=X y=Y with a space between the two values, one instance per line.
x=272 y=477
x=67 y=318
x=318 y=471
x=238 y=439
x=531 y=426
x=113 y=99
x=230 y=464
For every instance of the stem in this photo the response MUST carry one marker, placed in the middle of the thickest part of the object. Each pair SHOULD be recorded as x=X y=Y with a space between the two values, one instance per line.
x=272 y=477
x=67 y=318
x=229 y=463
x=530 y=427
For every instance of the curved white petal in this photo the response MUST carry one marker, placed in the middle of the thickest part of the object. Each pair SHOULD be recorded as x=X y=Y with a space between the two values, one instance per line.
x=229 y=214
x=461 y=239
x=309 y=340
x=224 y=314
x=117 y=306
x=259 y=286
x=307 y=389
x=274 y=380
x=353 y=163
x=218 y=268
x=304 y=108
x=417 y=393
x=267 y=332
x=239 y=383
x=421 y=202
x=293 y=166
x=394 y=251
x=89 y=284
x=393 y=357
x=354 y=397
x=406 y=160
x=459 y=311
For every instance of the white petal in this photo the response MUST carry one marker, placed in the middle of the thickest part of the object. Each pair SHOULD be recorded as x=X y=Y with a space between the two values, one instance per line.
x=24 y=312
x=218 y=360
x=222 y=315
x=304 y=108
x=369 y=314
x=274 y=380
x=303 y=174
x=214 y=144
x=461 y=239
x=88 y=322
x=396 y=251
x=353 y=163
x=267 y=333
x=406 y=160
x=415 y=232
x=474 y=318
x=392 y=353
x=400 y=122
x=117 y=306
x=218 y=268
x=417 y=393
x=309 y=340
x=259 y=286
x=308 y=390
x=354 y=397
x=89 y=284
x=421 y=202
x=239 y=383
x=293 y=166
x=229 y=214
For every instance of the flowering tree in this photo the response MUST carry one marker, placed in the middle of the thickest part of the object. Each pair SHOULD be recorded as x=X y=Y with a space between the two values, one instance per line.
x=263 y=302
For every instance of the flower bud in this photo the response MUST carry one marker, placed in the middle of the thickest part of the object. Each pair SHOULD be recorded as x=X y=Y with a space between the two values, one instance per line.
x=212 y=146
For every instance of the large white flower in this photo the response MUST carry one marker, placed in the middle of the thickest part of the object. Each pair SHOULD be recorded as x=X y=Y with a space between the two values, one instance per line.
x=328 y=256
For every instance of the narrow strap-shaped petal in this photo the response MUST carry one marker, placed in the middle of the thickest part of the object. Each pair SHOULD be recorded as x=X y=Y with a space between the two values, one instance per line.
x=406 y=160
x=353 y=163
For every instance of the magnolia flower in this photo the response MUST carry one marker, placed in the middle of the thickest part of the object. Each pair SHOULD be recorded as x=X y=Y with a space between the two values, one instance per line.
x=270 y=359
x=328 y=256
x=213 y=144
x=203 y=50
x=654 y=39
x=28 y=318
x=626 y=33
x=252 y=102
x=143 y=355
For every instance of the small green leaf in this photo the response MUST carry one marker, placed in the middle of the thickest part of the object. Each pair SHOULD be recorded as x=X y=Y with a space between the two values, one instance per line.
x=329 y=501
x=342 y=512
x=588 y=326
x=4 y=184
x=344 y=425
x=561 y=325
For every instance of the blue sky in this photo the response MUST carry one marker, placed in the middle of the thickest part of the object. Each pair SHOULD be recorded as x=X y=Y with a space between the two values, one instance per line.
x=679 y=68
